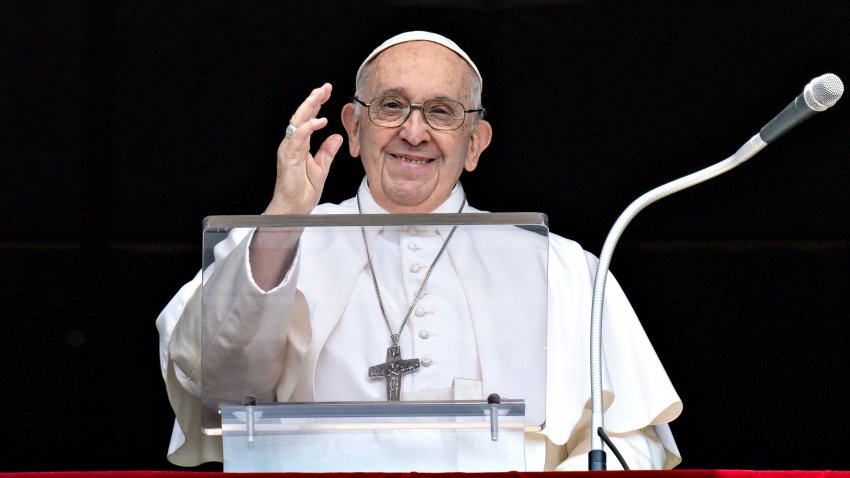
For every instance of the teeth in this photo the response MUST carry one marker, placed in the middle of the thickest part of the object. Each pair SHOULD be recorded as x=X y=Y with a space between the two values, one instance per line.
x=413 y=161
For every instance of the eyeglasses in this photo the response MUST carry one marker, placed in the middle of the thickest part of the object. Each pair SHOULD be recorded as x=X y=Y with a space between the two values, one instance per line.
x=393 y=111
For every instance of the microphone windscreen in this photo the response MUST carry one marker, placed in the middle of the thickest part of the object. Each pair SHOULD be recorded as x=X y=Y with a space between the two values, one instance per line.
x=823 y=92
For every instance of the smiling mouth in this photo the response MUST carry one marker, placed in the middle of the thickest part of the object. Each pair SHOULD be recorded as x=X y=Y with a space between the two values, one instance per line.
x=411 y=160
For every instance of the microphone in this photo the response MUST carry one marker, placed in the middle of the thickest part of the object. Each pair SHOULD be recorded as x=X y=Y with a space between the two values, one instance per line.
x=820 y=94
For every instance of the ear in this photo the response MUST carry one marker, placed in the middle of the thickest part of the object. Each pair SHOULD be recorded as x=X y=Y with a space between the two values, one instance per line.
x=351 y=122
x=481 y=135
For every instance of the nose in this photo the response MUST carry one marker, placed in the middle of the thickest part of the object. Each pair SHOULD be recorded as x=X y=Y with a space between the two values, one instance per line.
x=415 y=130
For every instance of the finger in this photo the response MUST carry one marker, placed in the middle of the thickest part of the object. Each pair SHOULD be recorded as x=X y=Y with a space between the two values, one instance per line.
x=318 y=171
x=299 y=143
x=310 y=107
x=327 y=151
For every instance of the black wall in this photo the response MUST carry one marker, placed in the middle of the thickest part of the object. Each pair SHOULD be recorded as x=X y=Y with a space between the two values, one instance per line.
x=124 y=124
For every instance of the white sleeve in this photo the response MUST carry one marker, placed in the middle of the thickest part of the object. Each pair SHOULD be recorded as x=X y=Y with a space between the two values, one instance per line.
x=239 y=312
x=638 y=396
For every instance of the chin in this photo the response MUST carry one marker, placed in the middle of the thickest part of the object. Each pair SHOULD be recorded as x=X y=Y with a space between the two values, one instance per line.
x=407 y=201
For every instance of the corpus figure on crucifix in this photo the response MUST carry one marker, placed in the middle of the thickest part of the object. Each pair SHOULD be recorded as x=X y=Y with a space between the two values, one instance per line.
x=392 y=370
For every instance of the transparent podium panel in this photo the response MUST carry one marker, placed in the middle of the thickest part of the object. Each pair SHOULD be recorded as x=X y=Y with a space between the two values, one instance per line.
x=380 y=311
x=374 y=437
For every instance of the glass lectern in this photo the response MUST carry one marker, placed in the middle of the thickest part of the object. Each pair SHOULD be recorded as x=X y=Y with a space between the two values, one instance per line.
x=299 y=377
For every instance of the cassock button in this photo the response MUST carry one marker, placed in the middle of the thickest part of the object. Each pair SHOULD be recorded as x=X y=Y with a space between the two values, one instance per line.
x=423 y=334
x=415 y=268
x=420 y=312
x=426 y=361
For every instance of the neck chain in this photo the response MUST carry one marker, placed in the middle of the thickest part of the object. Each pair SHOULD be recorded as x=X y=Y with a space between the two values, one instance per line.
x=395 y=367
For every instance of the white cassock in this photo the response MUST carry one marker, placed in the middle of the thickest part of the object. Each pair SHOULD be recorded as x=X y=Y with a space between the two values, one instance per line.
x=308 y=327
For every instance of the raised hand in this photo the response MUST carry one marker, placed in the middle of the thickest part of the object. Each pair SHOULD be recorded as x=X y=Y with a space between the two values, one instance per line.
x=300 y=175
x=300 y=179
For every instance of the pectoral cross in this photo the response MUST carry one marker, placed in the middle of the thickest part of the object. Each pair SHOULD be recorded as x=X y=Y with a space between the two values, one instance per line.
x=392 y=370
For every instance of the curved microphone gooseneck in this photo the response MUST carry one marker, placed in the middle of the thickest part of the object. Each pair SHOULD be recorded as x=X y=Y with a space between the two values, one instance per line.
x=820 y=94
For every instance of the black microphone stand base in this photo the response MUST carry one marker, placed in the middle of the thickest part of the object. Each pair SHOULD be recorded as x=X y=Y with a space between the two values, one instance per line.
x=596 y=460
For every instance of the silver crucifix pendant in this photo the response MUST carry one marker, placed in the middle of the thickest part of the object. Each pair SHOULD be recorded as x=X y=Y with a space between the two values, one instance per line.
x=392 y=370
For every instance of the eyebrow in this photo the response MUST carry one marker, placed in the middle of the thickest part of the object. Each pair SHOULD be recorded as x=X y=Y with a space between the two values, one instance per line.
x=402 y=92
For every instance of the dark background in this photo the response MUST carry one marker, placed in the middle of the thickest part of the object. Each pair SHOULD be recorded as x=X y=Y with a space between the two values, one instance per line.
x=125 y=123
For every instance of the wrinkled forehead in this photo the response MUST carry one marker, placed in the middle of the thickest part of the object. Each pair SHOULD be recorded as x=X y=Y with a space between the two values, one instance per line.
x=418 y=68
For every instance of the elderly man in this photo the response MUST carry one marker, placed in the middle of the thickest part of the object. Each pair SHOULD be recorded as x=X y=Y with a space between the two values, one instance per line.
x=416 y=123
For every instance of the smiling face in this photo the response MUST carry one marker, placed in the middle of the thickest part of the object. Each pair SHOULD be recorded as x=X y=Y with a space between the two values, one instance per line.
x=413 y=168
